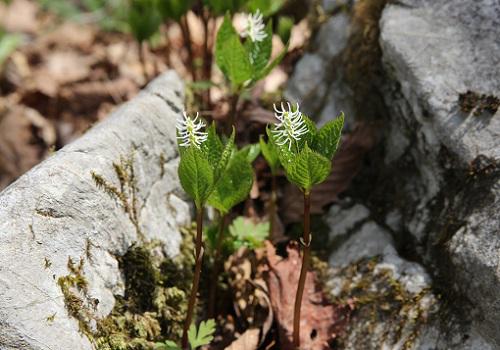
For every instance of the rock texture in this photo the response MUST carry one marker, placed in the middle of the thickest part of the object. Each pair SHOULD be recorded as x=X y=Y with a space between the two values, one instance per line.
x=55 y=212
x=431 y=192
x=433 y=52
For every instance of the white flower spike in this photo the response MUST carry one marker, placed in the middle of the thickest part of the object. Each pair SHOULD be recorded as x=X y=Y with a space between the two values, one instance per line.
x=255 y=28
x=190 y=131
x=290 y=126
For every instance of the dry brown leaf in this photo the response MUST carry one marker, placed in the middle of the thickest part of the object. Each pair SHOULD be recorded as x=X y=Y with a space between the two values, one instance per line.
x=346 y=165
x=247 y=341
x=24 y=134
x=321 y=321
x=252 y=305
x=19 y=16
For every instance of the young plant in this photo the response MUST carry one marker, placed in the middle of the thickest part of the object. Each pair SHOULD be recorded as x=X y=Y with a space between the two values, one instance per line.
x=204 y=159
x=196 y=338
x=306 y=155
x=270 y=153
x=245 y=63
x=233 y=187
x=144 y=21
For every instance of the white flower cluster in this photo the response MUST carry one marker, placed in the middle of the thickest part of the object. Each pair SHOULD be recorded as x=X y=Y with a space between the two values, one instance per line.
x=255 y=28
x=190 y=131
x=290 y=126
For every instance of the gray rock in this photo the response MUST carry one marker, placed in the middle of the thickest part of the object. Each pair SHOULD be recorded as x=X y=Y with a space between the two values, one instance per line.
x=333 y=35
x=307 y=83
x=432 y=52
x=55 y=212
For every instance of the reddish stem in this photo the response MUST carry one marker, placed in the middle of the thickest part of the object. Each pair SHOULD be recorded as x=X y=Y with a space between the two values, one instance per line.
x=196 y=277
x=303 y=271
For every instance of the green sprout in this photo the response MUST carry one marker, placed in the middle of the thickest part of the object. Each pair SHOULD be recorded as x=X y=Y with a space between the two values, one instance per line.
x=243 y=63
x=306 y=155
x=196 y=337
x=204 y=169
x=270 y=153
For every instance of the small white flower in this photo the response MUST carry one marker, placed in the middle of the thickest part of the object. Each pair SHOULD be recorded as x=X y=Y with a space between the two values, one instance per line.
x=190 y=131
x=255 y=28
x=291 y=125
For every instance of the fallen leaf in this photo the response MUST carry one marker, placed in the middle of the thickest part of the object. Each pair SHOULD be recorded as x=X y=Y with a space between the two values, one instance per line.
x=321 y=321
x=20 y=16
x=247 y=341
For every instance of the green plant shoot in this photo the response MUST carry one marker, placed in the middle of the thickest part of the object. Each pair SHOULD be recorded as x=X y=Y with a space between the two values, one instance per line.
x=306 y=155
x=204 y=160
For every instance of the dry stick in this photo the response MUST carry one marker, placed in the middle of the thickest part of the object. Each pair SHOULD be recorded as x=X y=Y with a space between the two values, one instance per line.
x=215 y=269
x=196 y=277
x=306 y=241
x=186 y=33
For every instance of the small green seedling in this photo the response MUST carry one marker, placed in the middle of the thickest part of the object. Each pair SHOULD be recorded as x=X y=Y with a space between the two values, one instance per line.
x=144 y=21
x=245 y=62
x=197 y=337
x=306 y=155
x=204 y=160
x=246 y=233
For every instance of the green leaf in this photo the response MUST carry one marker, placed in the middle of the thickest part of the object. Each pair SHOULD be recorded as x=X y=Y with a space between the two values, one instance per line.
x=272 y=65
x=247 y=233
x=230 y=55
x=174 y=9
x=266 y=7
x=213 y=146
x=310 y=136
x=253 y=151
x=196 y=175
x=284 y=30
x=226 y=153
x=167 y=345
x=8 y=44
x=285 y=155
x=204 y=335
x=308 y=168
x=234 y=184
x=260 y=51
x=327 y=140
x=270 y=154
x=220 y=7
x=143 y=19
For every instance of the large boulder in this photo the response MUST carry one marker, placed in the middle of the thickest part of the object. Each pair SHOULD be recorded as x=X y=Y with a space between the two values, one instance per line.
x=442 y=60
x=430 y=193
x=73 y=216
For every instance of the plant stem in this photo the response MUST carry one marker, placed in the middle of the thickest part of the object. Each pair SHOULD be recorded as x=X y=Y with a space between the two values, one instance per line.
x=233 y=110
x=196 y=277
x=142 y=60
x=215 y=269
x=272 y=207
x=186 y=33
x=303 y=271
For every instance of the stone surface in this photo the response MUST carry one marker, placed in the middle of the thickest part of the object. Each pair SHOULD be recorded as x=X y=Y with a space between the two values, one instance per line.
x=55 y=212
x=450 y=198
x=317 y=80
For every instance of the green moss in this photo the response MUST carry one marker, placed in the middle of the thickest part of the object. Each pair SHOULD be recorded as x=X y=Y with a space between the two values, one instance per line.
x=155 y=301
x=74 y=289
x=125 y=193
x=380 y=301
